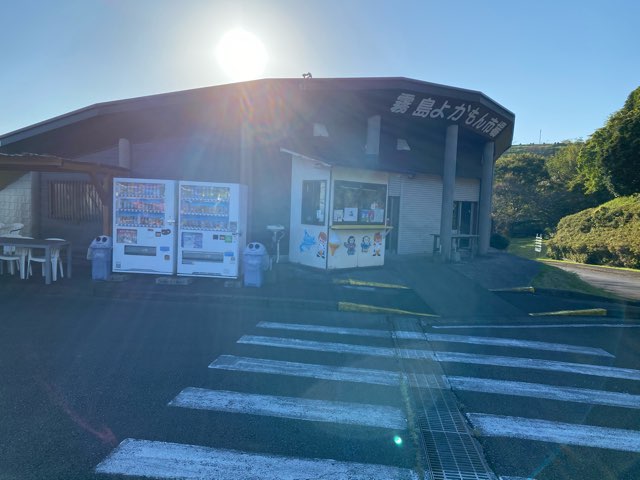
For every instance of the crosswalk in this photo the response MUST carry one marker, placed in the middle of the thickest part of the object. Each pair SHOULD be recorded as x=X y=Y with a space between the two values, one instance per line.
x=154 y=459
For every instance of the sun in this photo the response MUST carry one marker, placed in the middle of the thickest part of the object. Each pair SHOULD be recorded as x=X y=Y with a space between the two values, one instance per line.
x=241 y=55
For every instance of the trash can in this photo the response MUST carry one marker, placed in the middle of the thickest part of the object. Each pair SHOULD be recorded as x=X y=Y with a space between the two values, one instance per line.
x=254 y=262
x=99 y=253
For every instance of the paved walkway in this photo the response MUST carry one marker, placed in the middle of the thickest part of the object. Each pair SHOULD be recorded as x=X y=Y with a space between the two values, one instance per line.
x=448 y=290
x=624 y=283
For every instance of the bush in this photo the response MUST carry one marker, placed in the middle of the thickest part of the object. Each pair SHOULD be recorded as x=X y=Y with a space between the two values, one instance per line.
x=498 y=241
x=604 y=235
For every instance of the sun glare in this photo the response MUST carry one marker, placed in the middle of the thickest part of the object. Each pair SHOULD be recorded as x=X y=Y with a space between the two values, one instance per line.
x=241 y=55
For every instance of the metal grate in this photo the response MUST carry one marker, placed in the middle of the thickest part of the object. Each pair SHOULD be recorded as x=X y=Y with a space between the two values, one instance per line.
x=74 y=201
x=449 y=450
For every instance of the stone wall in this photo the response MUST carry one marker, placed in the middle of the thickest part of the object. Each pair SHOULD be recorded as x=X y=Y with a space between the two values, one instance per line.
x=16 y=203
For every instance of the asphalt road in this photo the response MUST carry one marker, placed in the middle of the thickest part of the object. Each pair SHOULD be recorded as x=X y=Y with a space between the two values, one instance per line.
x=623 y=283
x=82 y=375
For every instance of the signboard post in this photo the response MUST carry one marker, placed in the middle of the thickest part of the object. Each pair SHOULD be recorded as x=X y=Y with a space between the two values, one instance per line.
x=538 y=243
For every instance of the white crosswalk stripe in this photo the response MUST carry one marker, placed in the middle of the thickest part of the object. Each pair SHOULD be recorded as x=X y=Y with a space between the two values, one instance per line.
x=172 y=461
x=452 y=357
x=291 y=407
x=538 y=364
x=323 y=372
x=436 y=337
x=556 y=432
x=469 y=384
x=330 y=347
x=549 y=392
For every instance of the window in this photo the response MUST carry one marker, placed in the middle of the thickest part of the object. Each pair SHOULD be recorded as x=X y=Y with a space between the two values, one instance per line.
x=359 y=203
x=74 y=201
x=314 y=195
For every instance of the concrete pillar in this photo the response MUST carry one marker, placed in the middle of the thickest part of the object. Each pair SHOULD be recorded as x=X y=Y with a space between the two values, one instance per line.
x=124 y=153
x=246 y=172
x=448 y=188
x=486 y=189
x=373 y=135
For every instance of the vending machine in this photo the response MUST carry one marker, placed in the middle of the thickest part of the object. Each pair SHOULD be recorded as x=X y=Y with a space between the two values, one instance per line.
x=211 y=229
x=144 y=226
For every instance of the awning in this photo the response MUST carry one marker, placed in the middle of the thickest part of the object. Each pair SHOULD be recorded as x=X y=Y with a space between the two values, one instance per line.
x=100 y=175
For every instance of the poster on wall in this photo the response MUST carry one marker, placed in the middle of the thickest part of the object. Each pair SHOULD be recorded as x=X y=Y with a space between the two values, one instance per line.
x=313 y=247
x=350 y=214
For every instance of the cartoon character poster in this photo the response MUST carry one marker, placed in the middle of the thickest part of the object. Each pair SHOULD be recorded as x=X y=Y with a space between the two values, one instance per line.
x=350 y=244
x=307 y=242
x=322 y=245
x=334 y=243
x=377 y=244
x=365 y=245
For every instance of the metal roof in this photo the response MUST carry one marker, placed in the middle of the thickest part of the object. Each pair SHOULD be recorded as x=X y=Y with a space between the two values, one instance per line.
x=231 y=103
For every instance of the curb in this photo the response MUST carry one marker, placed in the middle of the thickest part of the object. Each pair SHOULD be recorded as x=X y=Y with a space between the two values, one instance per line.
x=358 y=307
x=590 y=312
x=362 y=283
x=515 y=289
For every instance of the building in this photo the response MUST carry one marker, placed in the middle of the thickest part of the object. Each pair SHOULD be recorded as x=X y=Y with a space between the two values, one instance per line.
x=433 y=148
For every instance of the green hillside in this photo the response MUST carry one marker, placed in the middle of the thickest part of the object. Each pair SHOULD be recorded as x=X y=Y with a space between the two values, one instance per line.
x=605 y=235
x=543 y=149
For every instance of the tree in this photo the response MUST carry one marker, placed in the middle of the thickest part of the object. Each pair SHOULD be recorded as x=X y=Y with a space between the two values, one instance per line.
x=610 y=159
x=568 y=184
x=563 y=164
x=520 y=200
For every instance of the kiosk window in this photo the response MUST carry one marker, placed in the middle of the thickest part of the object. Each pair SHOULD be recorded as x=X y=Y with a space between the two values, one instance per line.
x=314 y=195
x=359 y=203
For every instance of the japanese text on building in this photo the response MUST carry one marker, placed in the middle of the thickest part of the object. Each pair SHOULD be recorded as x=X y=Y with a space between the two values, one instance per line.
x=468 y=113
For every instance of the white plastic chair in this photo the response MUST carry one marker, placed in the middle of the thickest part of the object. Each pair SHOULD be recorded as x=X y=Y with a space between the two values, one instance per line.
x=16 y=256
x=56 y=261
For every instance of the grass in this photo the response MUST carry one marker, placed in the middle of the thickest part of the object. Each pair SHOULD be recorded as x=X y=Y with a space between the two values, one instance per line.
x=553 y=277
x=524 y=247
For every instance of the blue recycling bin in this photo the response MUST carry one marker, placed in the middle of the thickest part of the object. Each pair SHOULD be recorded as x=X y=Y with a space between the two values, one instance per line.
x=255 y=262
x=99 y=253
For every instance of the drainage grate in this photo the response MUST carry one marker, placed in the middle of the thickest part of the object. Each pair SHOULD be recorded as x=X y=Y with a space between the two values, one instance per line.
x=449 y=450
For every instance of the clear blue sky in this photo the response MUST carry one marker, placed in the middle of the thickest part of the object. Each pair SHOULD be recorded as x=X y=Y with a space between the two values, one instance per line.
x=561 y=66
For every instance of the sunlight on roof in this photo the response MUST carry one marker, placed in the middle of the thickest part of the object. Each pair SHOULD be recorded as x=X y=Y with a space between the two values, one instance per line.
x=241 y=55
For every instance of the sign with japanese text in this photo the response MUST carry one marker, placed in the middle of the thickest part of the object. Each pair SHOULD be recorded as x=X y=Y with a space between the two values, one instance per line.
x=470 y=115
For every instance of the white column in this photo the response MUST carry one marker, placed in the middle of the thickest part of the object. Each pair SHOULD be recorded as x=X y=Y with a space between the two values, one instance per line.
x=124 y=153
x=246 y=170
x=448 y=188
x=486 y=190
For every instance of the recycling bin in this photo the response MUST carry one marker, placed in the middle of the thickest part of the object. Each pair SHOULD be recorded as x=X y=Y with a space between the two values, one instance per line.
x=99 y=253
x=254 y=262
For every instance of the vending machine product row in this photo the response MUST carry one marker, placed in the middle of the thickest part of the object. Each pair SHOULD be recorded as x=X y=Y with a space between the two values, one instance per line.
x=188 y=228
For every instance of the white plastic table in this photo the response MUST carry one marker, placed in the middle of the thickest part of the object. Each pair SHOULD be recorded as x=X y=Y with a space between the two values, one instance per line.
x=47 y=245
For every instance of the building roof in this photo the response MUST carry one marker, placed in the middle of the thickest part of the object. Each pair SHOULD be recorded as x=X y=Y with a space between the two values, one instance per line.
x=405 y=105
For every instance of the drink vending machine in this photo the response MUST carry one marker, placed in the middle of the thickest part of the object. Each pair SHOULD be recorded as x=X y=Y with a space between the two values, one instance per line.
x=143 y=226
x=199 y=235
x=212 y=220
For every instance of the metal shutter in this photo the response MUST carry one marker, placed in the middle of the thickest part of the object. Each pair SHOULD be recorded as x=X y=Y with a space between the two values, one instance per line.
x=420 y=205
x=467 y=190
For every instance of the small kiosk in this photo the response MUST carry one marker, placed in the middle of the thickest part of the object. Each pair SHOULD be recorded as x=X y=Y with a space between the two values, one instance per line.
x=338 y=215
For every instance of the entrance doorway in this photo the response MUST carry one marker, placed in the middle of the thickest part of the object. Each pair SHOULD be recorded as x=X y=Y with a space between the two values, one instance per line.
x=465 y=220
